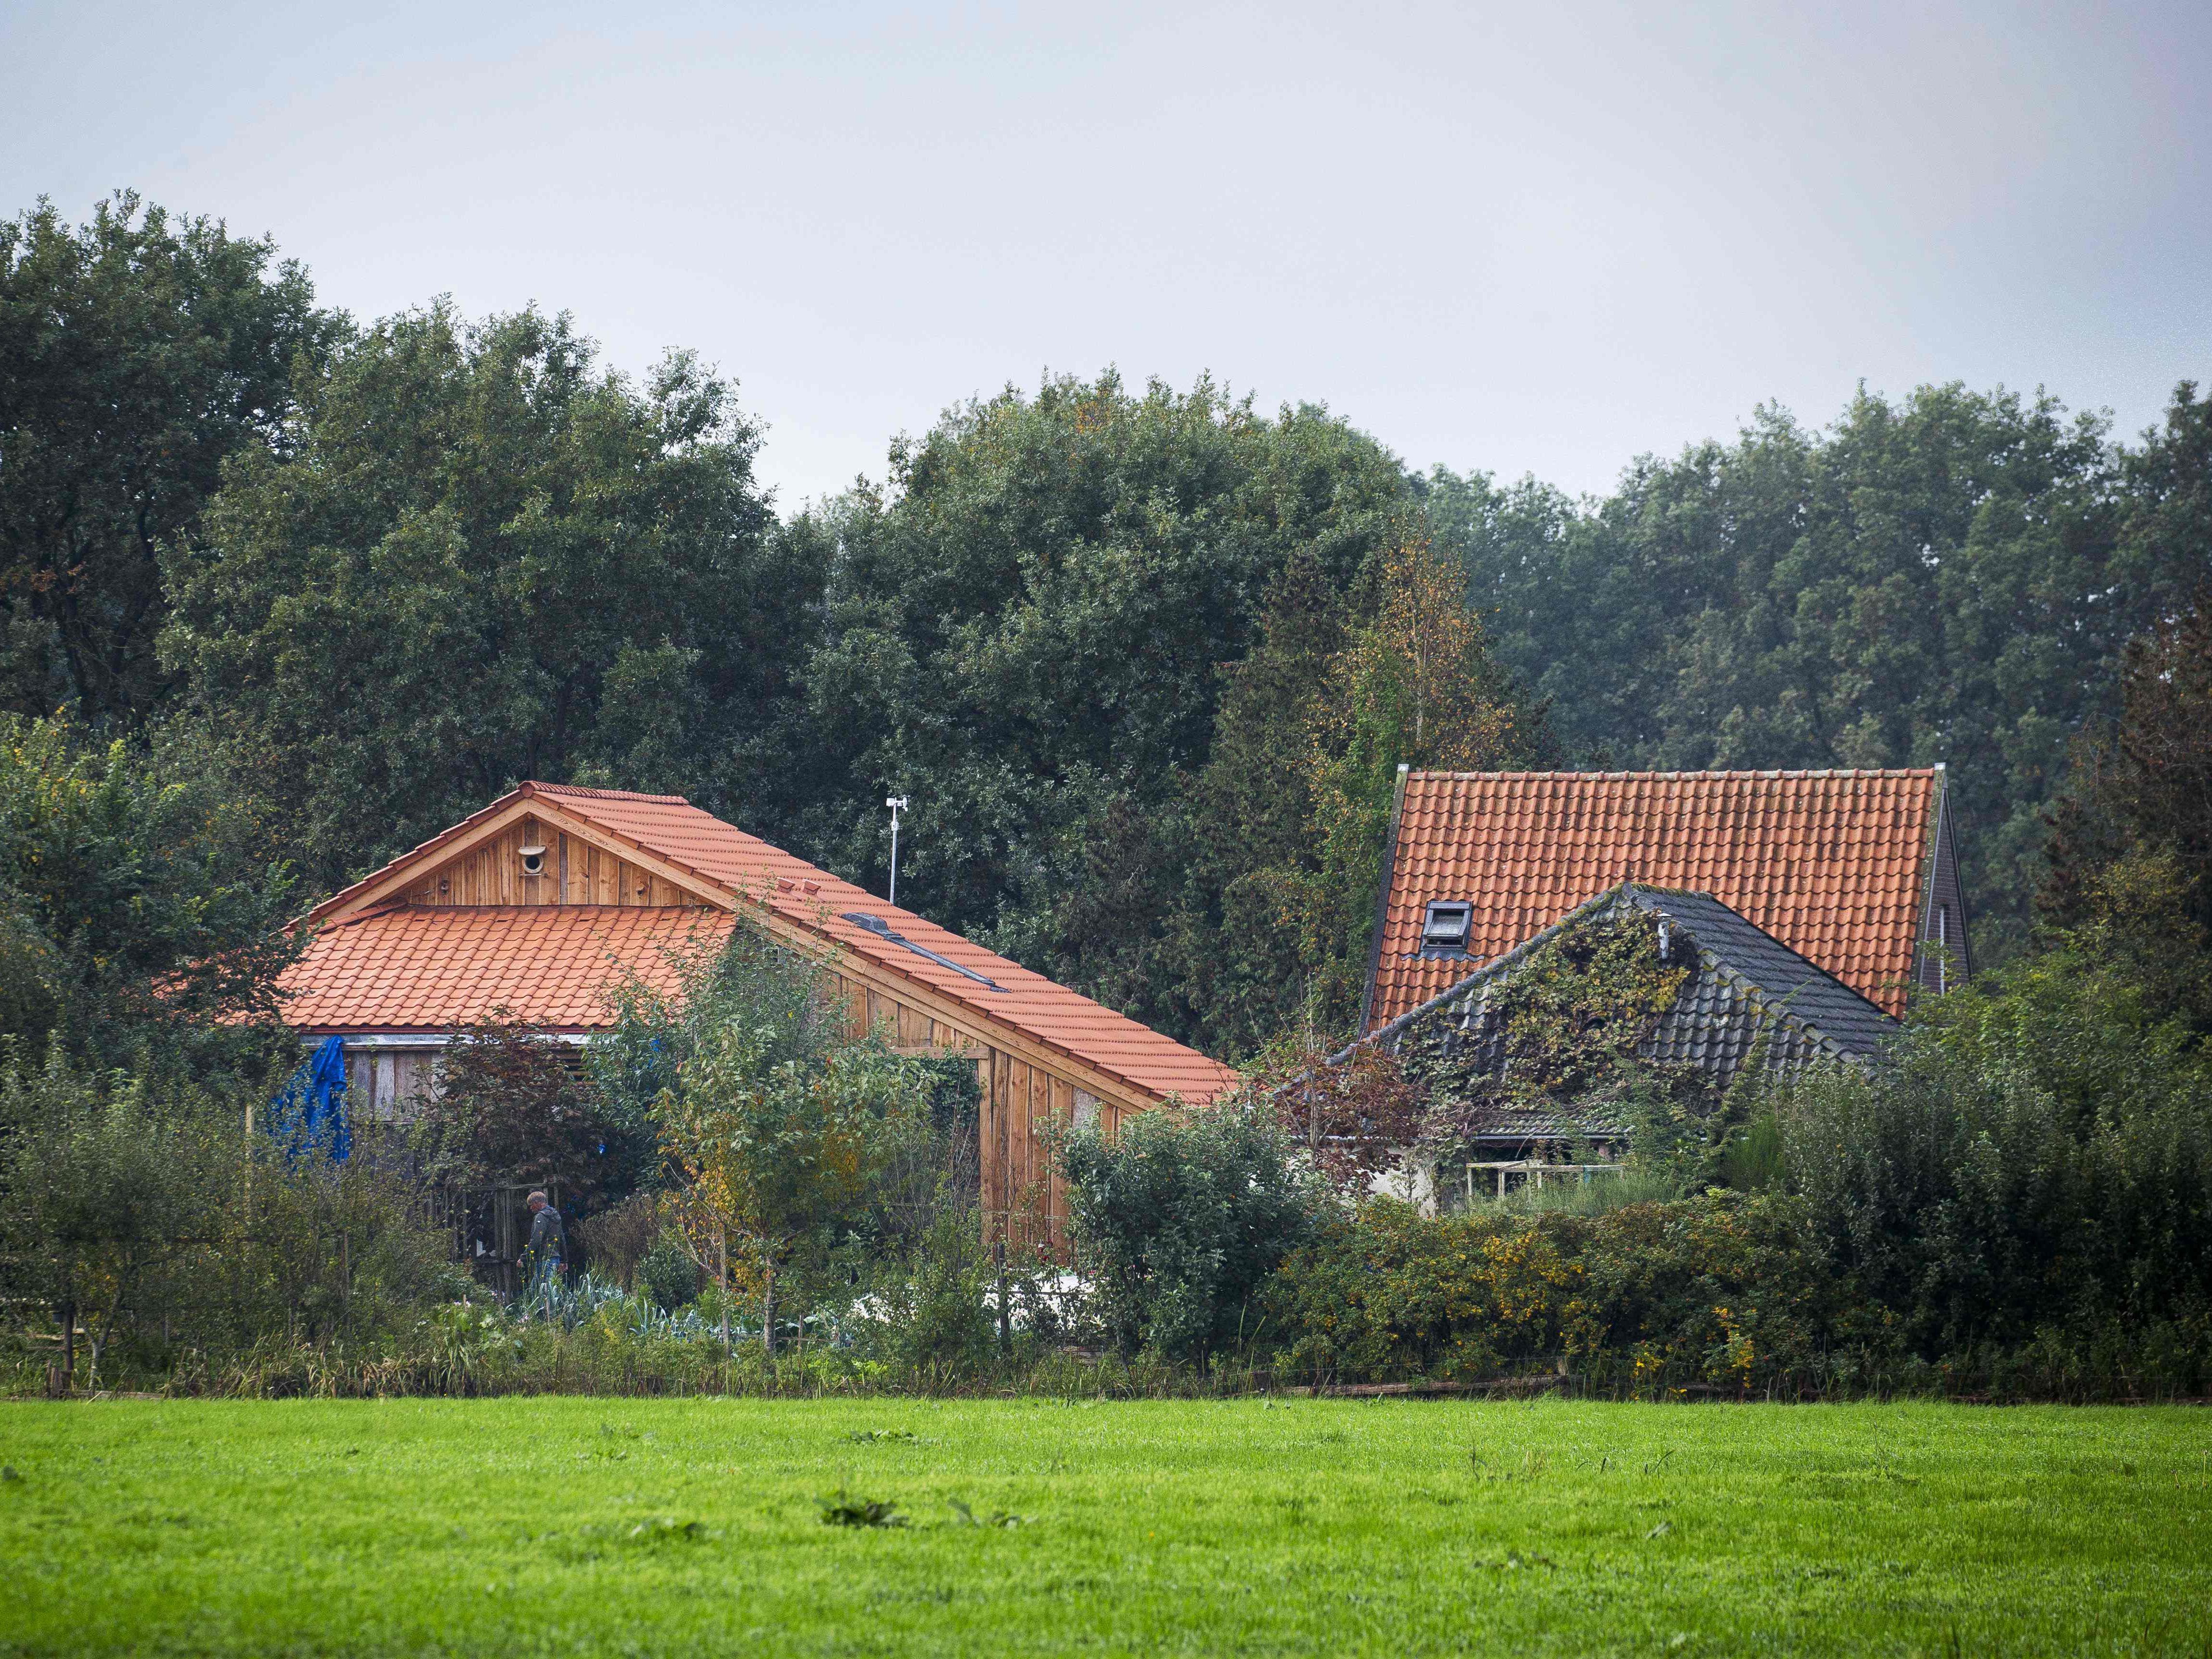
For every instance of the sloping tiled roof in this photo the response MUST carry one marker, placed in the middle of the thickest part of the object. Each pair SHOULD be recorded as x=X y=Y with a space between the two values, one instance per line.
x=736 y=870
x=1749 y=960
x=1831 y=864
x=1748 y=987
x=436 y=968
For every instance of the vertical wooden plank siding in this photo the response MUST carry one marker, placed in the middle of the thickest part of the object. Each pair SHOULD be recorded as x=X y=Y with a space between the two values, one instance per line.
x=575 y=872
x=1007 y=1148
x=1038 y=1199
x=1024 y=1195
x=1063 y=1113
x=384 y=1084
x=418 y=1077
x=1021 y=1154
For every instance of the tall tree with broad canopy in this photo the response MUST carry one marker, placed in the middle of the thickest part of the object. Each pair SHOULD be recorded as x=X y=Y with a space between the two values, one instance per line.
x=478 y=558
x=2130 y=850
x=1044 y=634
x=137 y=353
x=142 y=907
x=1028 y=630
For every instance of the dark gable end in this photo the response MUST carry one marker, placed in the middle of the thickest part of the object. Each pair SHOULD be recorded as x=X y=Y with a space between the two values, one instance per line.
x=1945 y=960
x=1383 y=896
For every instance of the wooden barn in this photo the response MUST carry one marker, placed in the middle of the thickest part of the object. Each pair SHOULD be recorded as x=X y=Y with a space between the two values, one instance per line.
x=1854 y=871
x=547 y=899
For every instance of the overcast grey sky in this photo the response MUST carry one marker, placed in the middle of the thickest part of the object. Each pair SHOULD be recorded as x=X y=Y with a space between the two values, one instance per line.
x=1523 y=238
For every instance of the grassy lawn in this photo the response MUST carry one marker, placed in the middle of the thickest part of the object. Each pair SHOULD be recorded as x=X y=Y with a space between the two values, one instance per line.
x=621 y=1525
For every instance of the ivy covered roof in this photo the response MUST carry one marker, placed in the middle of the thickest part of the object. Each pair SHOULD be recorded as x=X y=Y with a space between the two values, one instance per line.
x=1748 y=987
x=1751 y=961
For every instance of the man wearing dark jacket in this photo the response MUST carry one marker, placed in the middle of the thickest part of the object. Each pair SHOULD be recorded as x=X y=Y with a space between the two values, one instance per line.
x=542 y=1258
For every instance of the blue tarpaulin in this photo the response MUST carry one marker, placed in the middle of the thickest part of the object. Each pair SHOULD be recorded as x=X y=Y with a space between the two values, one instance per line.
x=307 y=1116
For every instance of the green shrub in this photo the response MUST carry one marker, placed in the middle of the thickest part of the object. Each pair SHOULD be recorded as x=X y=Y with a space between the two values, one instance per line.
x=1718 y=1292
x=666 y=1272
x=2036 y=1158
x=139 y=1211
x=1180 y=1219
x=930 y=1317
x=1637 y=1183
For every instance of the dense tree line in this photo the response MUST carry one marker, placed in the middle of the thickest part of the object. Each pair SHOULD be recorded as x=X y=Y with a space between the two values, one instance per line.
x=1144 y=658
x=477 y=559
x=281 y=593
x=1145 y=663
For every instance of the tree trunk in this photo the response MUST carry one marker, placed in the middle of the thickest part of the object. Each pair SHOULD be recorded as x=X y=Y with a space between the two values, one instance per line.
x=722 y=1268
x=767 y=1307
x=107 y=1323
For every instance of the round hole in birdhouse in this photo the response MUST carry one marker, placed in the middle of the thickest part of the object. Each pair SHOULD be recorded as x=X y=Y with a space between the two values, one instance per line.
x=533 y=860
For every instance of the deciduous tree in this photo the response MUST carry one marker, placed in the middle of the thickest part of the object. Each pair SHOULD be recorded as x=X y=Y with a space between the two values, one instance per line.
x=138 y=352
x=482 y=558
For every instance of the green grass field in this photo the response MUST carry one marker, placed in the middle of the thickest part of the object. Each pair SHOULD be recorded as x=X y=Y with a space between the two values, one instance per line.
x=563 y=1526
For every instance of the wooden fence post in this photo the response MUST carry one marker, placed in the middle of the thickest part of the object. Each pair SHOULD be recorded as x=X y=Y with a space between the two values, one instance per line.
x=1006 y=1319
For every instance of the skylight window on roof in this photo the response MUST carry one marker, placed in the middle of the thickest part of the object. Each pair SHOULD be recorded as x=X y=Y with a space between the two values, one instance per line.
x=1445 y=929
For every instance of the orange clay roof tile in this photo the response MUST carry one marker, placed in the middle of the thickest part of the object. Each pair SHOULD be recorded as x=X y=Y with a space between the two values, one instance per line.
x=1829 y=863
x=432 y=968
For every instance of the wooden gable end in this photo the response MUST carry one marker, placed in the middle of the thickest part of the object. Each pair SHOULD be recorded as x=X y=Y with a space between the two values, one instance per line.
x=581 y=865
x=571 y=871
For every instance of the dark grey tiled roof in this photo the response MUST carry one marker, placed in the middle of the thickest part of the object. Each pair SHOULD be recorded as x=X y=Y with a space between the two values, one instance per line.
x=1758 y=963
x=1749 y=986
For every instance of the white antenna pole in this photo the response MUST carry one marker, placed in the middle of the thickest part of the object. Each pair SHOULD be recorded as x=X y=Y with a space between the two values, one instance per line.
x=897 y=804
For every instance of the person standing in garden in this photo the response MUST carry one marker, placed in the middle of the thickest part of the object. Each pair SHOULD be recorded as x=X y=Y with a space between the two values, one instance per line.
x=543 y=1256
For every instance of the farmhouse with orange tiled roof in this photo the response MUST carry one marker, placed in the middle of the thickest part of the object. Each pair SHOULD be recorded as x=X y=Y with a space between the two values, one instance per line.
x=546 y=900
x=1855 y=871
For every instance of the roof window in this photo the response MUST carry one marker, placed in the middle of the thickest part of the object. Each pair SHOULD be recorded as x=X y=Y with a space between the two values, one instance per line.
x=1445 y=929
